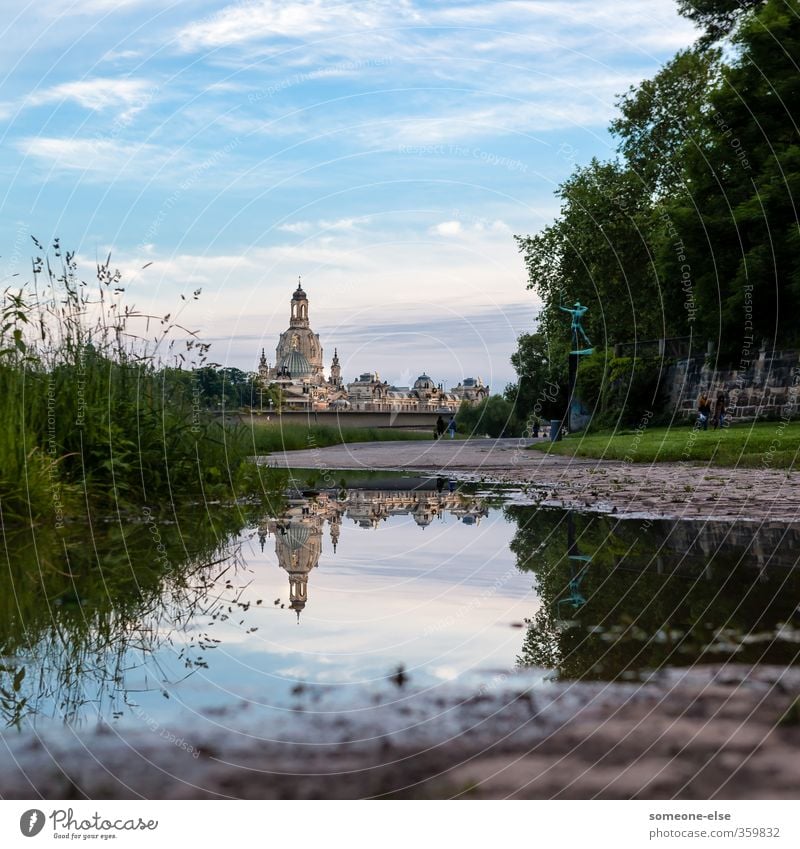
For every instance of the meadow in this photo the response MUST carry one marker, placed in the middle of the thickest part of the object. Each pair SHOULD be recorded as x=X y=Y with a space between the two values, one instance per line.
x=774 y=444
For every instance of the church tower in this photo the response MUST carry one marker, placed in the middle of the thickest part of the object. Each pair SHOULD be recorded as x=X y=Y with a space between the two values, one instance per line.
x=336 y=370
x=299 y=317
x=299 y=338
x=263 y=368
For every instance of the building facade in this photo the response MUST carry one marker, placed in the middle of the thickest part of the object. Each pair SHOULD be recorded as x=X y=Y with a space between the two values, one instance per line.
x=299 y=373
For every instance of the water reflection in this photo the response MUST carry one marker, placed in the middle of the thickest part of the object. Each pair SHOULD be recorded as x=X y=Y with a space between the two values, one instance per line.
x=189 y=614
x=299 y=529
x=84 y=608
x=620 y=599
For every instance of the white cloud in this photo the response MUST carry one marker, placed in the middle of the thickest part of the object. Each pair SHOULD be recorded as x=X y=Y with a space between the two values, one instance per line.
x=124 y=95
x=280 y=19
x=447 y=31
x=446 y=228
x=300 y=228
x=474 y=227
x=99 y=156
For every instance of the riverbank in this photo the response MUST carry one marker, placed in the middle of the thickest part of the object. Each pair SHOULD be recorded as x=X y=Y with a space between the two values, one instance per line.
x=665 y=490
x=710 y=732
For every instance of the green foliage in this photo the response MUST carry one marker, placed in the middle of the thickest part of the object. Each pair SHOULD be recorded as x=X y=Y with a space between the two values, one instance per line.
x=648 y=596
x=693 y=230
x=662 y=116
x=737 y=217
x=541 y=368
x=716 y=17
x=494 y=416
x=226 y=388
x=70 y=611
x=91 y=414
x=597 y=252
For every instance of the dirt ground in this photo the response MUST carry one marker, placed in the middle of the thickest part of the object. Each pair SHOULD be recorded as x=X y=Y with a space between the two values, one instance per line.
x=713 y=732
x=668 y=490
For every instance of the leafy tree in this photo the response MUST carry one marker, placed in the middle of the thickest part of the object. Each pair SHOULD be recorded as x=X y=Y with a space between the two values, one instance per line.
x=540 y=391
x=660 y=117
x=717 y=17
x=695 y=228
x=738 y=220
x=646 y=597
x=597 y=252
x=493 y=416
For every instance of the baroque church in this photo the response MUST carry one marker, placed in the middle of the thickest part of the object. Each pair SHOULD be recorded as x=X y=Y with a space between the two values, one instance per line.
x=298 y=530
x=299 y=372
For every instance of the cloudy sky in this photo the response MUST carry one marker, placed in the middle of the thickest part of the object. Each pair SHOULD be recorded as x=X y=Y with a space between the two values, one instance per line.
x=385 y=151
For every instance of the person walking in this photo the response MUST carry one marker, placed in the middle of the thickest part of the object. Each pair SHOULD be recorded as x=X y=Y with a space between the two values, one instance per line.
x=452 y=428
x=440 y=426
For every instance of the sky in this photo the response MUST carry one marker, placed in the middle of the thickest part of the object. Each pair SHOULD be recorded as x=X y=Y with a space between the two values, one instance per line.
x=387 y=152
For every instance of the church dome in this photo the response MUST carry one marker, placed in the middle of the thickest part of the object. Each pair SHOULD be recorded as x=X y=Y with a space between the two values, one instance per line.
x=296 y=365
x=297 y=536
x=423 y=382
x=299 y=294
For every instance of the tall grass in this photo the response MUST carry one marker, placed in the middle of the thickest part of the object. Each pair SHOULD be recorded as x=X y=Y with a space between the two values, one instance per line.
x=90 y=415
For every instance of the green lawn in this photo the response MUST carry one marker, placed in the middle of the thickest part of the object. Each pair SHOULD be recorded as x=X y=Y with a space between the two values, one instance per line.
x=292 y=437
x=762 y=445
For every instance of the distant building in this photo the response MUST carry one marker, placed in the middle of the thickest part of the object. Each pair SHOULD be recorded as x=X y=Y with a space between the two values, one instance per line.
x=299 y=372
x=471 y=389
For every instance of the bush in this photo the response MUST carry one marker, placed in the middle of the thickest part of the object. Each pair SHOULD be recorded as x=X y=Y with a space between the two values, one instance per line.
x=619 y=390
x=493 y=416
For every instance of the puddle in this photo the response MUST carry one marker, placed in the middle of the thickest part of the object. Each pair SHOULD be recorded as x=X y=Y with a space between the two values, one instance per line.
x=382 y=584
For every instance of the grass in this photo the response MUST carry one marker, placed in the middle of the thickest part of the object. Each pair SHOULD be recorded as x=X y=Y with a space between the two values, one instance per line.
x=92 y=416
x=266 y=438
x=750 y=445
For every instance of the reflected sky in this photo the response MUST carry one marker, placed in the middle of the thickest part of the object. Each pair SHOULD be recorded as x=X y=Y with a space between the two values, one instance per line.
x=327 y=598
x=338 y=592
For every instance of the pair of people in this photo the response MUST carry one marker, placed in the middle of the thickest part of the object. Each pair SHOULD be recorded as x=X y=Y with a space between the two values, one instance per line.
x=704 y=411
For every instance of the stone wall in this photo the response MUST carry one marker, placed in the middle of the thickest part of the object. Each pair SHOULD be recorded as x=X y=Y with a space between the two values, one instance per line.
x=765 y=387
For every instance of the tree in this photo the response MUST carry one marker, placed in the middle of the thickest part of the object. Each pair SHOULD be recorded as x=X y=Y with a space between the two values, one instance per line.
x=738 y=218
x=540 y=391
x=598 y=252
x=717 y=17
x=660 y=117
x=695 y=228
x=493 y=416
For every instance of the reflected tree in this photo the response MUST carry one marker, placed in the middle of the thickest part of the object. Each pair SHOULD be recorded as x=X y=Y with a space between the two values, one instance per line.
x=656 y=594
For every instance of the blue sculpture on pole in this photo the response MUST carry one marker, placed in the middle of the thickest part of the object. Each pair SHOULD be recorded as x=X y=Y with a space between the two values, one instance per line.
x=577 y=314
x=574 y=407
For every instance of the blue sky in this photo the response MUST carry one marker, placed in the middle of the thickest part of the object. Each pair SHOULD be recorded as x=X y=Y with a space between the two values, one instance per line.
x=387 y=152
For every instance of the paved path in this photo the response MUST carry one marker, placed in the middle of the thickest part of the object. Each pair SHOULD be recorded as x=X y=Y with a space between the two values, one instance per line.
x=673 y=490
